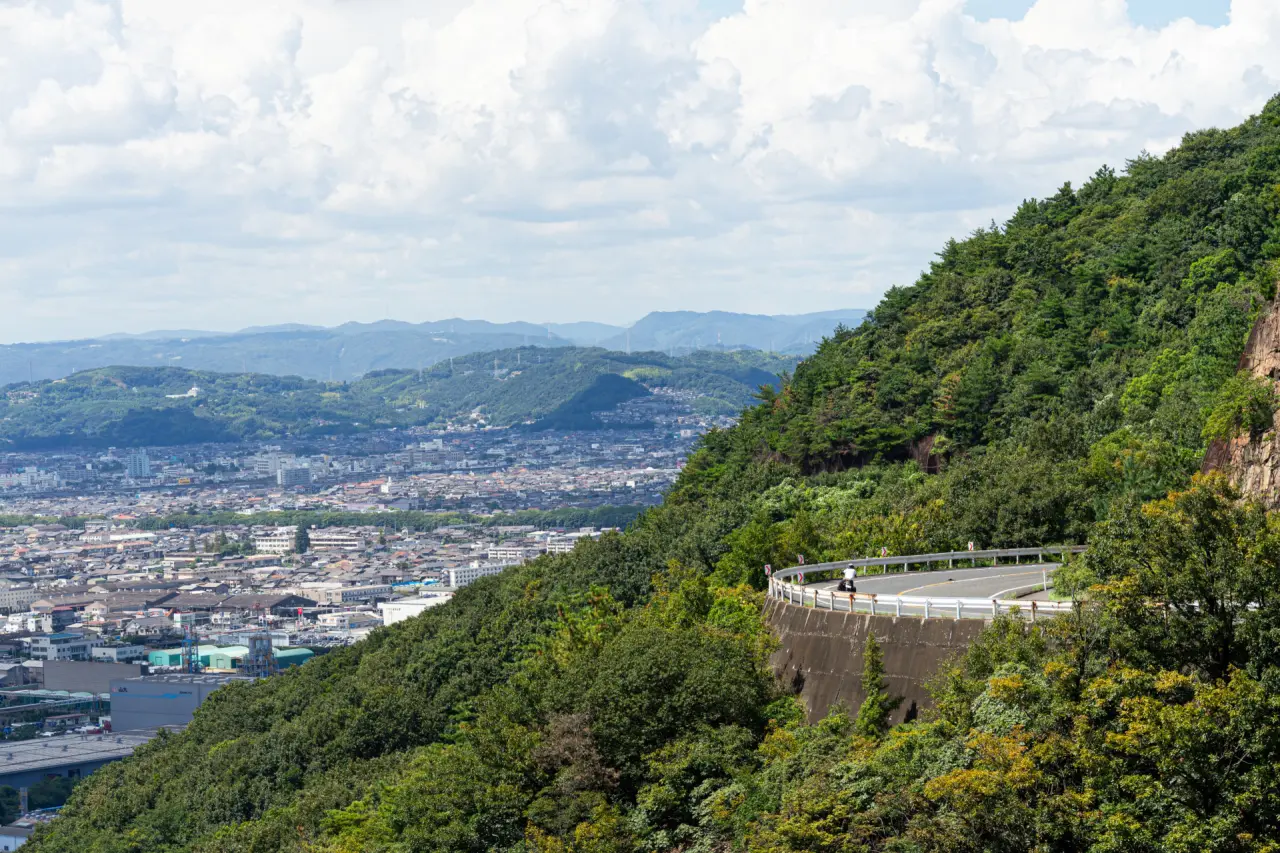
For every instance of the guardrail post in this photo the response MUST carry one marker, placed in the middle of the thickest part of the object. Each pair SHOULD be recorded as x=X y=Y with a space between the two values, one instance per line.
x=1033 y=610
x=995 y=607
x=926 y=608
x=897 y=605
x=957 y=608
x=873 y=604
x=850 y=602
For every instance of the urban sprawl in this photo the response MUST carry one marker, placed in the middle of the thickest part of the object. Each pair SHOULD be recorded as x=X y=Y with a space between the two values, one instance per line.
x=133 y=582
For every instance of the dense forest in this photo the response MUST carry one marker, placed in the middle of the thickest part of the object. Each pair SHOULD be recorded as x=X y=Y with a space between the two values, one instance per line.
x=1056 y=377
x=132 y=406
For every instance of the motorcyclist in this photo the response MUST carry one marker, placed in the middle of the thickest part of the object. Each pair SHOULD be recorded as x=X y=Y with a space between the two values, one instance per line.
x=848 y=582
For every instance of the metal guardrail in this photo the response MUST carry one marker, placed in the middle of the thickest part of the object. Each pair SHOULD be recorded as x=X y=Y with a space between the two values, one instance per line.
x=889 y=604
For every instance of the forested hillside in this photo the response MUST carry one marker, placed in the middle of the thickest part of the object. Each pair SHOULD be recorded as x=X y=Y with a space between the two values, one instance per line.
x=1057 y=377
x=130 y=406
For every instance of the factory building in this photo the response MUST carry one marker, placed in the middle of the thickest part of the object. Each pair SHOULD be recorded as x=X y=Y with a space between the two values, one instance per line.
x=226 y=657
x=407 y=608
x=24 y=763
x=153 y=701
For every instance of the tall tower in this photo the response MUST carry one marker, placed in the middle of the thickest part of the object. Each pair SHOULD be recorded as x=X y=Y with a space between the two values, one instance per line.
x=190 y=649
x=261 y=661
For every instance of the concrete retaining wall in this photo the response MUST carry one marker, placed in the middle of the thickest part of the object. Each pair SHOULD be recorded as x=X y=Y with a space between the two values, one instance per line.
x=821 y=653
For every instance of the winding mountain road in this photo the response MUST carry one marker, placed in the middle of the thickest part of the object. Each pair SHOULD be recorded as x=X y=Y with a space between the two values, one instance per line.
x=936 y=587
x=985 y=582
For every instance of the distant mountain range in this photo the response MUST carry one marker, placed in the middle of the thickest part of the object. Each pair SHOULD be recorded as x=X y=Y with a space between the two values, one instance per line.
x=351 y=350
x=682 y=331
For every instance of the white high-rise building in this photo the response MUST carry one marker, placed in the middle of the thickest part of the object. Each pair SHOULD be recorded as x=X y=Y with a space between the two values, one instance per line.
x=138 y=465
x=295 y=476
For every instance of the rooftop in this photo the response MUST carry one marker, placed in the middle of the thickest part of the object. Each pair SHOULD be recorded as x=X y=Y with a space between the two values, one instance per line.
x=187 y=678
x=25 y=756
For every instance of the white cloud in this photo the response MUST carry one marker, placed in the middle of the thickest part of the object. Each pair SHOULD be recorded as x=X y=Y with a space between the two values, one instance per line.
x=224 y=163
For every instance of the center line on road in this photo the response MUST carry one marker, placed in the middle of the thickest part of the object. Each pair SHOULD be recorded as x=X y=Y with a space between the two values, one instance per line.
x=966 y=580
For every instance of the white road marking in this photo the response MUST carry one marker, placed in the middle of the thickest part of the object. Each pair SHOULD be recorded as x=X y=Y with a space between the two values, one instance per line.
x=965 y=580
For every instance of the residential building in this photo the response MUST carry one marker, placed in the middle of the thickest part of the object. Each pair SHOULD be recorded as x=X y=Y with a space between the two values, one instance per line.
x=138 y=465
x=331 y=540
x=293 y=476
x=118 y=654
x=277 y=540
x=511 y=553
x=65 y=645
x=17 y=599
x=353 y=594
x=192 y=619
x=560 y=545
x=467 y=575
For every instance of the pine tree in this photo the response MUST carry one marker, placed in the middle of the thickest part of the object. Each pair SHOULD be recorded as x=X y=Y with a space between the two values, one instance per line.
x=301 y=540
x=873 y=716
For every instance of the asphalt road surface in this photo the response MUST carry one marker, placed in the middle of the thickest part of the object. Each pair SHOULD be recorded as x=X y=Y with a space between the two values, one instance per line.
x=986 y=582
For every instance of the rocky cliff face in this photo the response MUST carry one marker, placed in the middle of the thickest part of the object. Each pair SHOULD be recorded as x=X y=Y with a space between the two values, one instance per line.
x=1254 y=464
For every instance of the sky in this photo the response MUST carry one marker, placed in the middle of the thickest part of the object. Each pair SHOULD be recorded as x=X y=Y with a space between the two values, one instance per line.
x=215 y=165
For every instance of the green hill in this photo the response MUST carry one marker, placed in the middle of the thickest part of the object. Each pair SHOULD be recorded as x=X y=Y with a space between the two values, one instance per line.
x=605 y=393
x=1041 y=381
x=128 y=406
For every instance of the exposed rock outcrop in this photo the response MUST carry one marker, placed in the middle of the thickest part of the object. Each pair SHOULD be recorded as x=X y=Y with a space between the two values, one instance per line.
x=1253 y=464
